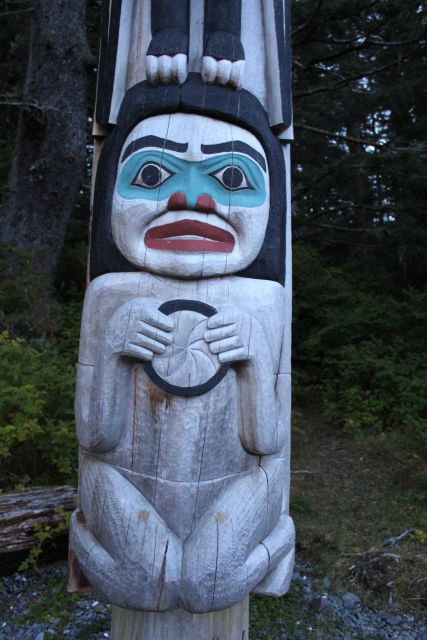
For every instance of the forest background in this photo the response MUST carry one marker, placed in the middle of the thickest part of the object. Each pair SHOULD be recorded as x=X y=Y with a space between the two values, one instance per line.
x=360 y=265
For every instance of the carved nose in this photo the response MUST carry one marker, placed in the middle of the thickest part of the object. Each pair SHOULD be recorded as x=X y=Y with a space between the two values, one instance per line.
x=177 y=201
x=205 y=203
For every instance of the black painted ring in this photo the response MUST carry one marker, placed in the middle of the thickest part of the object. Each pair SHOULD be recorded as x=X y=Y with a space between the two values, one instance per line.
x=172 y=306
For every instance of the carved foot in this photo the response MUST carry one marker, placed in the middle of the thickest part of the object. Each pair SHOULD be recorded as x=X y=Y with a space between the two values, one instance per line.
x=280 y=544
x=224 y=60
x=167 y=57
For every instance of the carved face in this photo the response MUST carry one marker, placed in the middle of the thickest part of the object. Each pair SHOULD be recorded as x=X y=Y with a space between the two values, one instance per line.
x=191 y=196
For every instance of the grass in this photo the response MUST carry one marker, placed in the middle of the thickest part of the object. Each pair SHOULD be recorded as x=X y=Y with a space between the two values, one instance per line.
x=350 y=494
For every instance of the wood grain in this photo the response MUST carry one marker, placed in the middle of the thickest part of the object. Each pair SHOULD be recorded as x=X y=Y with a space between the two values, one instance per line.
x=230 y=624
x=21 y=511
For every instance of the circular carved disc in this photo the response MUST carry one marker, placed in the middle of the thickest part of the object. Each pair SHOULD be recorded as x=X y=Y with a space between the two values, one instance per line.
x=187 y=367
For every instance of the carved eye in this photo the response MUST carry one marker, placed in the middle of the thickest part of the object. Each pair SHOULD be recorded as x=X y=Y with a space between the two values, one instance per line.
x=151 y=175
x=232 y=178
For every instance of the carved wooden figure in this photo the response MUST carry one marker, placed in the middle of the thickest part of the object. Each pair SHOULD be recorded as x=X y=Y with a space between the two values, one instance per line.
x=183 y=386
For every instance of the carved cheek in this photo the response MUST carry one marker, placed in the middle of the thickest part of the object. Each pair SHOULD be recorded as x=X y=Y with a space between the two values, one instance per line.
x=129 y=218
x=249 y=223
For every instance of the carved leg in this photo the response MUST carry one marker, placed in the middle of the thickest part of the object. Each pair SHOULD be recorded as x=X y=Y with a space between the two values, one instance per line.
x=124 y=548
x=223 y=57
x=167 y=53
x=223 y=558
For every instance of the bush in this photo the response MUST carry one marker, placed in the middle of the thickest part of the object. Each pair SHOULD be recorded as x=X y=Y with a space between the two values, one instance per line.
x=37 y=434
x=360 y=348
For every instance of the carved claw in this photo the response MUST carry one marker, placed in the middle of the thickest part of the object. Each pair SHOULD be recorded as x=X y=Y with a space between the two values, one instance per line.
x=167 y=69
x=223 y=71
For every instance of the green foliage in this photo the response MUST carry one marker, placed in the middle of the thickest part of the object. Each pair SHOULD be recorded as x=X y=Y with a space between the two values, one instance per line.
x=55 y=605
x=43 y=534
x=361 y=349
x=37 y=439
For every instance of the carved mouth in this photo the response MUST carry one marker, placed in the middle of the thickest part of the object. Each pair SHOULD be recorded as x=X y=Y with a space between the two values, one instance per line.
x=189 y=235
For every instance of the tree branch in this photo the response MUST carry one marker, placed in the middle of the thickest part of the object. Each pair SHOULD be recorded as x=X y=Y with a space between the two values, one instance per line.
x=339 y=136
x=342 y=83
x=308 y=21
x=15 y=12
x=11 y=101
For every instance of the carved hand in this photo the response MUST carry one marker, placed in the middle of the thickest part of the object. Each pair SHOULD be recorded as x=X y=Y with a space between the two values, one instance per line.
x=229 y=335
x=147 y=331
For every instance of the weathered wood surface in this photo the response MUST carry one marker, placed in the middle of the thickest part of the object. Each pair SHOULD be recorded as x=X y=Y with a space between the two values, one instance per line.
x=184 y=473
x=21 y=511
x=229 y=624
x=183 y=388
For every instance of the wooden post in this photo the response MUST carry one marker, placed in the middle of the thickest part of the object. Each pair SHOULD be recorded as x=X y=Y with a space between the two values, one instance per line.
x=183 y=386
x=229 y=624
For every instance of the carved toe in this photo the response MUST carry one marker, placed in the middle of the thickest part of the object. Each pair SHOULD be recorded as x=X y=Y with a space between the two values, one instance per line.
x=167 y=57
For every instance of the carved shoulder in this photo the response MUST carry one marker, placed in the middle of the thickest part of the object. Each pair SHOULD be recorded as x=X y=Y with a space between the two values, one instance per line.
x=263 y=298
x=103 y=296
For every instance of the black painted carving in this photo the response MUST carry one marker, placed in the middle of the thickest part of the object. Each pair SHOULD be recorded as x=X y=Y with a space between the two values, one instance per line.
x=168 y=42
x=237 y=146
x=283 y=37
x=110 y=24
x=172 y=306
x=154 y=141
x=172 y=16
x=222 y=29
x=224 y=46
x=239 y=107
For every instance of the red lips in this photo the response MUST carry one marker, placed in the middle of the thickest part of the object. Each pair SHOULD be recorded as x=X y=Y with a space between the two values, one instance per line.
x=167 y=237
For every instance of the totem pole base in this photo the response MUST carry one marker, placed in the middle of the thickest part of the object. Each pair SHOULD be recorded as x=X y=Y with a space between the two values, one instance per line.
x=229 y=624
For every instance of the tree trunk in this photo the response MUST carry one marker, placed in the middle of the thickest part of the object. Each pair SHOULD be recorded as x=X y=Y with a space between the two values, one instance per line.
x=50 y=151
x=25 y=512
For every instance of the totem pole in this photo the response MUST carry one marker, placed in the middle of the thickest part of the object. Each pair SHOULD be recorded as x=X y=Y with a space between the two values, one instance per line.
x=183 y=386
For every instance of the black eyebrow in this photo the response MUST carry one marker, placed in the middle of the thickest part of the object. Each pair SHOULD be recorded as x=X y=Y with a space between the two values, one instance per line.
x=154 y=141
x=235 y=145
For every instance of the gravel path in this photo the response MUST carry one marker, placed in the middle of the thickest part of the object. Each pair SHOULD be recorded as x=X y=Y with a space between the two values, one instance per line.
x=35 y=606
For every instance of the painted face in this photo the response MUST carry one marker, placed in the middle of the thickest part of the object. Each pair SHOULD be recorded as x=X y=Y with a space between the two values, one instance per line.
x=191 y=196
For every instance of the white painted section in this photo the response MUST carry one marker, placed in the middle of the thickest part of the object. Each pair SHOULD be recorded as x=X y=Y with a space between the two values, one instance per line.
x=254 y=44
x=285 y=364
x=134 y=38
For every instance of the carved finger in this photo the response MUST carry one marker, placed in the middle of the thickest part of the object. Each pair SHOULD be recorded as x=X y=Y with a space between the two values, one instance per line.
x=223 y=71
x=219 y=334
x=222 y=319
x=235 y=355
x=152 y=69
x=209 y=69
x=157 y=319
x=179 y=68
x=236 y=75
x=225 y=345
x=152 y=332
x=133 y=350
x=165 y=68
x=148 y=343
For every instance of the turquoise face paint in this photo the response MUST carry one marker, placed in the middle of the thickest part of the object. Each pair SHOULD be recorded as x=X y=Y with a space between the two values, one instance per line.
x=193 y=179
